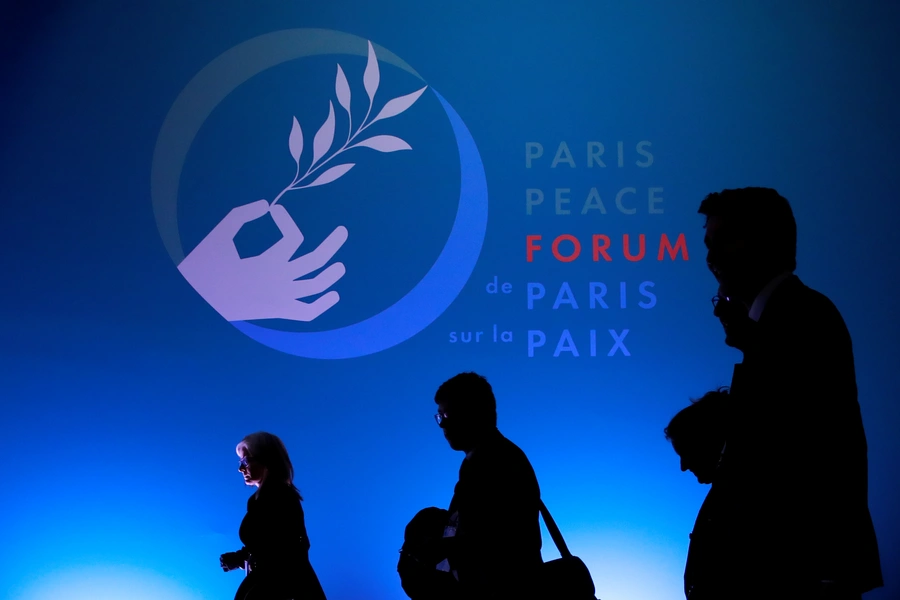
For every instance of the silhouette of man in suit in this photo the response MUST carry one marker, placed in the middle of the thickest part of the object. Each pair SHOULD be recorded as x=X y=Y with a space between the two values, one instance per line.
x=794 y=476
x=698 y=434
x=493 y=536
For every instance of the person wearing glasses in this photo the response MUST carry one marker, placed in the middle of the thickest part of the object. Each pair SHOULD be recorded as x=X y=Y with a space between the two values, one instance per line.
x=492 y=539
x=275 y=554
x=795 y=465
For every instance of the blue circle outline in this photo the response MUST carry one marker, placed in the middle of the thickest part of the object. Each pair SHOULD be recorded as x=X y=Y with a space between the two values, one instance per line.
x=415 y=311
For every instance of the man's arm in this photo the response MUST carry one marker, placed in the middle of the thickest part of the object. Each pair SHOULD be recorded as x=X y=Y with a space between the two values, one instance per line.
x=498 y=512
x=798 y=427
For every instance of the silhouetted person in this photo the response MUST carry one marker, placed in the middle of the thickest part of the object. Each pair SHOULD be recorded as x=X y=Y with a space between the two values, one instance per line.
x=493 y=537
x=422 y=551
x=273 y=532
x=698 y=436
x=795 y=472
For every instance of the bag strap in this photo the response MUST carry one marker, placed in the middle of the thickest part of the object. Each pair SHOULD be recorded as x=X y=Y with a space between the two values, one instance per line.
x=554 y=532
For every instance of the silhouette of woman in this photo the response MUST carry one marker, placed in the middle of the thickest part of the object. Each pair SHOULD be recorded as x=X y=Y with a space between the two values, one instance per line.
x=276 y=549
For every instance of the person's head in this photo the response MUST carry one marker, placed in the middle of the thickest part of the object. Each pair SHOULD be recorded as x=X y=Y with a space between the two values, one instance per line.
x=264 y=458
x=735 y=319
x=467 y=410
x=697 y=434
x=422 y=550
x=751 y=237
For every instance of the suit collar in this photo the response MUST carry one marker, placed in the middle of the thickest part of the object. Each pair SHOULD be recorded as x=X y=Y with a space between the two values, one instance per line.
x=759 y=303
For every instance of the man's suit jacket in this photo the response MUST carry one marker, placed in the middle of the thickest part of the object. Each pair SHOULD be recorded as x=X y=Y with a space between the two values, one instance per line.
x=795 y=471
x=494 y=534
x=701 y=570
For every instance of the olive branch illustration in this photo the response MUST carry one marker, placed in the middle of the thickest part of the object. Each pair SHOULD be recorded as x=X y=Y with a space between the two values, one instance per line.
x=324 y=138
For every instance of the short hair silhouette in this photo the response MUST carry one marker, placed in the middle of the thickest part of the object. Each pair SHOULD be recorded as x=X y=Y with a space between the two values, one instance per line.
x=421 y=552
x=701 y=419
x=762 y=213
x=270 y=451
x=470 y=395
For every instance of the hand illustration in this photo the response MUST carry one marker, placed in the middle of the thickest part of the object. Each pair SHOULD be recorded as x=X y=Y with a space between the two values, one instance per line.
x=268 y=286
x=264 y=286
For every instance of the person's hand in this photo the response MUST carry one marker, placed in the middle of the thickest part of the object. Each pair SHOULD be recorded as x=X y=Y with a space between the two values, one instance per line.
x=231 y=561
x=264 y=286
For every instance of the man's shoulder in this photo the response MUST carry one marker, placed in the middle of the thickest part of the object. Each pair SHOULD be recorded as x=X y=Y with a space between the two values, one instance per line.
x=501 y=453
x=797 y=302
x=503 y=470
x=509 y=448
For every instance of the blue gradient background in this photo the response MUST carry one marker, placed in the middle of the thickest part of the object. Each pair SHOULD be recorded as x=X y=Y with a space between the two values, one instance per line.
x=123 y=393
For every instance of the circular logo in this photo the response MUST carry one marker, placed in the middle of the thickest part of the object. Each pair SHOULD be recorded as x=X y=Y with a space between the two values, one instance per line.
x=268 y=286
